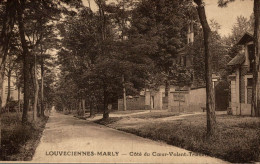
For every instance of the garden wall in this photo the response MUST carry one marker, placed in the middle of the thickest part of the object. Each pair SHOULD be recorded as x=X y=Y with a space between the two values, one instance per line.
x=135 y=103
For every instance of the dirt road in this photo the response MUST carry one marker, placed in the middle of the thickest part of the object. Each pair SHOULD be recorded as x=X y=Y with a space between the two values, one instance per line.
x=68 y=139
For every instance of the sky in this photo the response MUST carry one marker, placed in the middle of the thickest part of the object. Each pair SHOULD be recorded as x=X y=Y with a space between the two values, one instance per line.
x=226 y=16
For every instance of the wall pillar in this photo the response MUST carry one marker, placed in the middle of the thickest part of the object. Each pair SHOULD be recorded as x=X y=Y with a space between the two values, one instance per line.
x=147 y=99
x=170 y=97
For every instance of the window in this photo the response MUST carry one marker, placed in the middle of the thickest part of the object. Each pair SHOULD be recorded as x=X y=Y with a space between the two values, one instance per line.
x=249 y=90
x=251 y=52
x=249 y=82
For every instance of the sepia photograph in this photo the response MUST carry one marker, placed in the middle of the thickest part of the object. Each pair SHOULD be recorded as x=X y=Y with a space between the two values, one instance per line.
x=130 y=81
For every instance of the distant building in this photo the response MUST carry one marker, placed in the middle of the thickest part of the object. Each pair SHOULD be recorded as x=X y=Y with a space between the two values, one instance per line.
x=179 y=98
x=183 y=57
x=13 y=91
x=242 y=78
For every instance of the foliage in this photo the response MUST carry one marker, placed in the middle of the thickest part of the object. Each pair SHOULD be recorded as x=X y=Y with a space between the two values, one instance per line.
x=15 y=136
x=103 y=60
x=218 y=51
x=159 y=29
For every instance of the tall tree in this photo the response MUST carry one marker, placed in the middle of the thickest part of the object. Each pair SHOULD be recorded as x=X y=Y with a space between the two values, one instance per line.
x=28 y=12
x=210 y=98
x=26 y=65
x=9 y=70
x=159 y=29
x=256 y=69
x=42 y=86
x=218 y=52
x=103 y=22
x=6 y=32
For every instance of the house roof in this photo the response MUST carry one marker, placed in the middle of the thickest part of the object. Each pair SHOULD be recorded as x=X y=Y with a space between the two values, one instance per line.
x=247 y=37
x=237 y=60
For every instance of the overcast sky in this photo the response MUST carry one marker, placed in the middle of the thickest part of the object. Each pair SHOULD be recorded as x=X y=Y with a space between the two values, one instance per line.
x=226 y=17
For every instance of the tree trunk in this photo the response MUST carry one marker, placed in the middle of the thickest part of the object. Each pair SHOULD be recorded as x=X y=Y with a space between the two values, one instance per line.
x=80 y=109
x=19 y=99
x=8 y=88
x=105 y=109
x=255 y=90
x=69 y=108
x=83 y=106
x=124 y=93
x=36 y=91
x=123 y=76
x=38 y=106
x=7 y=28
x=210 y=98
x=92 y=111
x=2 y=76
x=42 y=89
x=25 y=54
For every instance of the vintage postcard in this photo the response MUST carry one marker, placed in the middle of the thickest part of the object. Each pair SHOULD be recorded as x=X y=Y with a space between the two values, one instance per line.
x=130 y=81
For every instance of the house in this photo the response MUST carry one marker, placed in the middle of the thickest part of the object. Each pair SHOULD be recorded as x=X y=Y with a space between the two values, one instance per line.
x=183 y=57
x=14 y=92
x=241 y=79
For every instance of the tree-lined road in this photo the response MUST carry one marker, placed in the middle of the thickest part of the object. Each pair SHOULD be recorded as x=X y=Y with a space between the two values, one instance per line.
x=68 y=139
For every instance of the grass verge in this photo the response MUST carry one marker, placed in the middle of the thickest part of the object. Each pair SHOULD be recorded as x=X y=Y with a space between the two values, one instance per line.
x=127 y=111
x=236 y=139
x=155 y=115
x=108 y=120
x=20 y=141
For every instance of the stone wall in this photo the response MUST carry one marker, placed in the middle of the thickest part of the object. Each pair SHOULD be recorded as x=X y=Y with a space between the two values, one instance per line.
x=187 y=101
x=240 y=108
x=165 y=102
x=135 y=103
x=198 y=96
x=154 y=99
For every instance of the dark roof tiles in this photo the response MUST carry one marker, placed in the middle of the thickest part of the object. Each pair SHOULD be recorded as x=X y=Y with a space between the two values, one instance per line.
x=237 y=60
x=247 y=37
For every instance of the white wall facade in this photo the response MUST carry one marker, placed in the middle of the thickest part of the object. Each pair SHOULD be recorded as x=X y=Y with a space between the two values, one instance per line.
x=14 y=91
